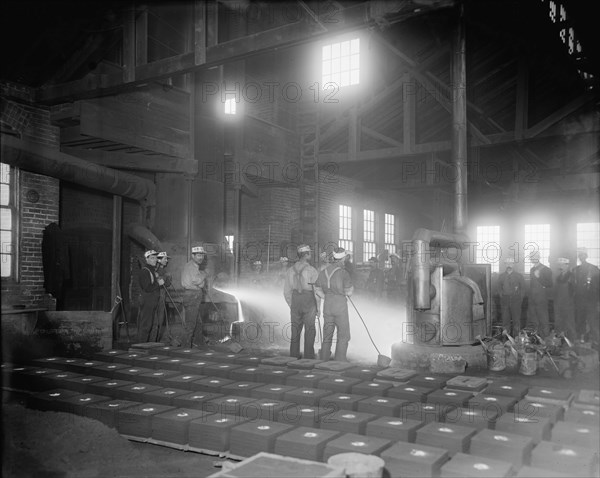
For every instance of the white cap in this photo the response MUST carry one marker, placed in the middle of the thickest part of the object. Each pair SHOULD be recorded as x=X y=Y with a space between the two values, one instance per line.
x=257 y=263
x=562 y=260
x=509 y=260
x=162 y=254
x=340 y=255
x=198 y=250
x=283 y=259
x=303 y=248
x=149 y=253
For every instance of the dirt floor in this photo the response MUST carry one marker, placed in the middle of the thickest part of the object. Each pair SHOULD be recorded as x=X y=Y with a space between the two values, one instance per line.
x=56 y=445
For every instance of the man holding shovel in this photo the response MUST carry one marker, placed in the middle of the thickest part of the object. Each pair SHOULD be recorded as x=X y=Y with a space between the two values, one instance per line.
x=334 y=283
x=304 y=305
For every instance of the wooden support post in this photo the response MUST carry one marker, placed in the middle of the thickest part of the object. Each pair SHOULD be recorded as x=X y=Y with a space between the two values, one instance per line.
x=117 y=227
x=129 y=57
x=521 y=107
x=353 y=134
x=141 y=36
x=410 y=117
x=199 y=34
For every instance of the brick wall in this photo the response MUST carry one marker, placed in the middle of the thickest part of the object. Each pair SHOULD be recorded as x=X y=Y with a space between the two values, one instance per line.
x=276 y=207
x=33 y=124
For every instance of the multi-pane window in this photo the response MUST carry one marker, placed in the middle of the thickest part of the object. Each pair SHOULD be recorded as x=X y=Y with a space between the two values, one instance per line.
x=588 y=236
x=369 y=246
x=229 y=240
x=7 y=221
x=488 y=246
x=346 y=228
x=389 y=235
x=537 y=239
x=230 y=106
x=341 y=63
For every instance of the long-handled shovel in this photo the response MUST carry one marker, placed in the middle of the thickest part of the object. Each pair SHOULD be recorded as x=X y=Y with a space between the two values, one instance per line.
x=318 y=315
x=382 y=360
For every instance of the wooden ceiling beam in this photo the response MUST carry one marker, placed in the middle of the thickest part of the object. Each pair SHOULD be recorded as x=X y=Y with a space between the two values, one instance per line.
x=355 y=16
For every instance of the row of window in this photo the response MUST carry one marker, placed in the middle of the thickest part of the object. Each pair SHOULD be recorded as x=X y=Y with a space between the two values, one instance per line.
x=7 y=218
x=536 y=239
x=346 y=239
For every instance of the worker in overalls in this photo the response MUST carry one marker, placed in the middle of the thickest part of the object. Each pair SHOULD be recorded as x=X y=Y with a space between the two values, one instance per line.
x=194 y=280
x=304 y=305
x=587 y=297
x=158 y=333
x=511 y=286
x=335 y=284
x=150 y=285
x=540 y=284
x=564 y=305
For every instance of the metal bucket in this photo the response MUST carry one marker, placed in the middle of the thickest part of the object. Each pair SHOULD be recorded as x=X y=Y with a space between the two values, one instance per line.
x=496 y=357
x=528 y=362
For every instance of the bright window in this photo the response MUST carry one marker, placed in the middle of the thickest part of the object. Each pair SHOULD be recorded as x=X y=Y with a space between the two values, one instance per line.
x=346 y=228
x=537 y=239
x=390 y=235
x=341 y=63
x=229 y=240
x=230 y=106
x=588 y=236
x=369 y=246
x=488 y=246
x=7 y=221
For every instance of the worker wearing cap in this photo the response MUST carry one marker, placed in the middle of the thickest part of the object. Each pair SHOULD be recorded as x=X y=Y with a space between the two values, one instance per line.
x=161 y=310
x=304 y=305
x=323 y=260
x=376 y=279
x=587 y=296
x=564 y=305
x=282 y=270
x=540 y=284
x=511 y=286
x=335 y=284
x=393 y=277
x=150 y=285
x=194 y=280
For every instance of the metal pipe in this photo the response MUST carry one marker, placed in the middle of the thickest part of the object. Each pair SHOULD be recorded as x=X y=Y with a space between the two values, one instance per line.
x=51 y=162
x=459 y=124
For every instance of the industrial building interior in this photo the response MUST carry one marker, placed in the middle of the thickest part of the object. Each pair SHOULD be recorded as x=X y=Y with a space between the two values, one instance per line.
x=419 y=147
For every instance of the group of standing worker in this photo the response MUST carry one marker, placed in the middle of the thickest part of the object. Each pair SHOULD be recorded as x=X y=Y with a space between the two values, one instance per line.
x=305 y=288
x=575 y=294
x=154 y=283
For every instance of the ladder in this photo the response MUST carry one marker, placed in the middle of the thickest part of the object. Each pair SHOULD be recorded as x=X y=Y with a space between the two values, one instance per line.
x=308 y=130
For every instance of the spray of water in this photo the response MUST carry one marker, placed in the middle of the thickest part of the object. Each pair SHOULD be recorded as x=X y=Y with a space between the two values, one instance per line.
x=266 y=305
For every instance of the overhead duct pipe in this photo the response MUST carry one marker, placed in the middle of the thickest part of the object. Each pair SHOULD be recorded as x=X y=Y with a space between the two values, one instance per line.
x=143 y=236
x=48 y=161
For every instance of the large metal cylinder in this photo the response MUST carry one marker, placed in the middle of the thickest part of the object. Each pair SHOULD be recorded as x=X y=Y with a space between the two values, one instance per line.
x=421 y=261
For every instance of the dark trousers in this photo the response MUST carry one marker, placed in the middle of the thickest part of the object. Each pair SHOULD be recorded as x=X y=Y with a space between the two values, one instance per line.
x=510 y=308
x=192 y=304
x=161 y=318
x=587 y=315
x=335 y=316
x=147 y=317
x=537 y=315
x=303 y=313
x=564 y=318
